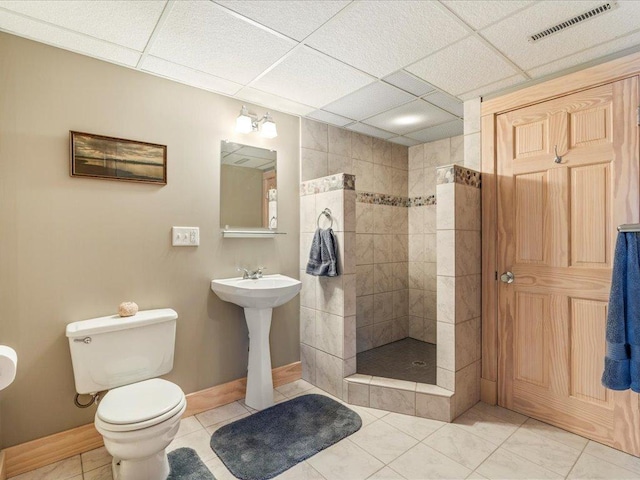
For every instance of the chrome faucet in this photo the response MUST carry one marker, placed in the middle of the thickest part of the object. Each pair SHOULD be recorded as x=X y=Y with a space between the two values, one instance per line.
x=251 y=274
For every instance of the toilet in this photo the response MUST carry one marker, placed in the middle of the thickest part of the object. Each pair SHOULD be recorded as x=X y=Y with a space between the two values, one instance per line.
x=140 y=415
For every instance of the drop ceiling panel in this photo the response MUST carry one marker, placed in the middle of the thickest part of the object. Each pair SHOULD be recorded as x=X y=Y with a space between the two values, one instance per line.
x=311 y=78
x=331 y=118
x=275 y=102
x=369 y=130
x=481 y=13
x=189 y=76
x=128 y=24
x=374 y=98
x=62 y=38
x=205 y=37
x=404 y=141
x=510 y=35
x=463 y=66
x=446 y=102
x=296 y=19
x=409 y=118
x=408 y=83
x=493 y=87
x=450 y=129
x=588 y=55
x=381 y=37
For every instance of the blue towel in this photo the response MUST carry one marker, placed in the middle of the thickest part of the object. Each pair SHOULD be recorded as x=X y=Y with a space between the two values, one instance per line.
x=622 y=362
x=323 y=259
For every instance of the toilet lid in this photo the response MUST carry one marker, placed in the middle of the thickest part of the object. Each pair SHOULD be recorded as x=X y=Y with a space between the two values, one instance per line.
x=139 y=402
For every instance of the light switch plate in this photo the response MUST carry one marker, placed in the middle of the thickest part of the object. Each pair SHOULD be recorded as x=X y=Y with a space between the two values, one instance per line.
x=185 y=236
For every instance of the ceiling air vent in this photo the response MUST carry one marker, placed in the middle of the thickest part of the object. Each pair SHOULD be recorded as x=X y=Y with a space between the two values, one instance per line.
x=594 y=12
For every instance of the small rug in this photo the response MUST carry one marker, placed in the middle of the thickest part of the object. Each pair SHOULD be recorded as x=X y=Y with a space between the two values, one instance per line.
x=186 y=465
x=269 y=442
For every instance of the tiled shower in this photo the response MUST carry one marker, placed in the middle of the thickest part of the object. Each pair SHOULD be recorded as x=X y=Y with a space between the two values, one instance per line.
x=395 y=251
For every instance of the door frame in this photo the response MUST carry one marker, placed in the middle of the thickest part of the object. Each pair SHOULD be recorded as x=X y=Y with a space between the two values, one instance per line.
x=618 y=69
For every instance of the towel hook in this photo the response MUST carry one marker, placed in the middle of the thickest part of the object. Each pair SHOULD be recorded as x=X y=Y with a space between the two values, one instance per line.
x=327 y=213
x=558 y=158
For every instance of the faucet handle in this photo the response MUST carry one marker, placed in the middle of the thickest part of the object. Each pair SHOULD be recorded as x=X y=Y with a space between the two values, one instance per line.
x=259 y=271
x=244 y=271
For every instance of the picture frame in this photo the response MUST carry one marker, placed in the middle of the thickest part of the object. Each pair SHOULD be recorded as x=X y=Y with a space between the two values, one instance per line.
x=110 y=158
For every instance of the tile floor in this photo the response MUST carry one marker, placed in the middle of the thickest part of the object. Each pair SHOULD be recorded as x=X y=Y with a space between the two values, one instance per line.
x=486 y=442
x=395 y=360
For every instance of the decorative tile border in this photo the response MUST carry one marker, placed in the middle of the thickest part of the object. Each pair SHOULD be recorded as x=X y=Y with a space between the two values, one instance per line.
x=382 y=199
x=339 y=181
x=422 y=201
x=458 y=174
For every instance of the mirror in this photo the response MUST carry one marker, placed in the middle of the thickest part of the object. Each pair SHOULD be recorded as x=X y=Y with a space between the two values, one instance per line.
x=248 y=187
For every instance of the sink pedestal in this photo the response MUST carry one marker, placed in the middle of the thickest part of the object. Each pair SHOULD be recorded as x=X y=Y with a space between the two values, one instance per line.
x=259 y=380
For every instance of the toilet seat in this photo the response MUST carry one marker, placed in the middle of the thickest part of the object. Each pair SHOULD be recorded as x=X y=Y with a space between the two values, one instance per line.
x=139 y=405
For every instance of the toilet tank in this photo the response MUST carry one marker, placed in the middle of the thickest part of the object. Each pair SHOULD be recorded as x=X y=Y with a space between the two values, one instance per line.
x=109 y=352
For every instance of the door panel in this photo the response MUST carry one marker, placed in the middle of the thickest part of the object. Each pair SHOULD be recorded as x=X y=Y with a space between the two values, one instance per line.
x=556 y=232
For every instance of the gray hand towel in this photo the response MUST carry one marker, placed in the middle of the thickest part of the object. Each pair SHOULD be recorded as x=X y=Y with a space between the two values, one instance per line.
x=323 y=258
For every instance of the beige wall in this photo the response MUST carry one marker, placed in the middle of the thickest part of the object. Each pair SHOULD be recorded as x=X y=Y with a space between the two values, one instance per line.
x=241 y=197
x=74 y=248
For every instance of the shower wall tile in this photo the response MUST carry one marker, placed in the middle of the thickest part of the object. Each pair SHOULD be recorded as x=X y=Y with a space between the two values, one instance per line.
x=339 y=141
x=400 y=276
x=363 y=171
x=417 y=275
x=430 y=330
x=313 y=164
x=364 y=280
x=364 y=218
x=349 y=289
x=416 y=327
x=329 y=373
x=457 y=150
x=349 y=338
x=347 y=259
x=446 y=379
x=446 y=355
x=416 y=157
x=472 y=116
x=308 y=326
x=400 y=249
x=400 y=328
x=382 y=179
x=364 y=338
x=445 y=216
x=400 y=303
x=382 y=278
x=382 y=307
x=430 y=251
x=400 y=156
x=329 y=333
x=382 y=248
x=416 y=220
x=382 y=333
x=308 y=361
x=364 y=310
x=468 y=297
x=430 y=305
x=467 y=252
x=430 y=219
x=468 y=343
x=361 y=147
x=308 y=290
x=400 y=220
x=340 y=164
x=416 y=303
x=306 y=239
x=381 y=152
x=382 y=219
x=467 y=213
x=467 y=388
x=446 y=248
x=472 y=151
x=313 y=135
x=434 y=407
x=364 y=248
x=358 y=394
x=330 y=295
x=308 y=214
x=438 y=153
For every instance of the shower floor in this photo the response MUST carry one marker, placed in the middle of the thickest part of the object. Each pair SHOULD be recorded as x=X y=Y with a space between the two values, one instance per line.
x=407 y=359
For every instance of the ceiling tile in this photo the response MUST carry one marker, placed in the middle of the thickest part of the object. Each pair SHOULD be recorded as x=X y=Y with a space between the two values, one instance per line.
x=410 y=117
x=405 y=141
x=329 y=117
x=480 y=13
x=446 y=102
x=381 y=37
x=203 y=36
x=588 y=55
x=408 y=83
x=129 y=23
x=450 y=129
x=510 y=35
x=189 y=76
x=493 y=87
x=294 y=19
x=463 y=66
x=369 y=130
x=311 y=78
x=374 y=98
x=275 y=102
x=59 y=37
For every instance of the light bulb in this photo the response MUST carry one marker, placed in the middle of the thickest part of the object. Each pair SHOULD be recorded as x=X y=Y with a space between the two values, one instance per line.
x=244 y=121
x=268 y=129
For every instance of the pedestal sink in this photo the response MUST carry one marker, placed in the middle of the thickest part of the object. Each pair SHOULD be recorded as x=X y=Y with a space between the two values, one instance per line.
x=258 y=298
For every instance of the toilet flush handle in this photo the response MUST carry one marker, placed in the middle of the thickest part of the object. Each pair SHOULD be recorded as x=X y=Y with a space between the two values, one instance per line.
x=86 y=340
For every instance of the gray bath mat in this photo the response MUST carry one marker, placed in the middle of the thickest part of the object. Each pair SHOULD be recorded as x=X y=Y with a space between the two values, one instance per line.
x=269 y=442
x=186 y=465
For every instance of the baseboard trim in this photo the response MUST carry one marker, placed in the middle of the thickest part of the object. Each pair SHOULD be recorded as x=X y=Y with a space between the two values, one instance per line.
x=53 y=448
x=488 y=391
x=3 y=471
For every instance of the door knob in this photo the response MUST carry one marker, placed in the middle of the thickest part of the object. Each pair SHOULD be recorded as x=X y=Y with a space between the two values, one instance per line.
x=507 y=277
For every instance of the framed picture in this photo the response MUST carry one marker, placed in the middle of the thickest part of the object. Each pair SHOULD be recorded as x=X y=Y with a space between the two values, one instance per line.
x=110 y=158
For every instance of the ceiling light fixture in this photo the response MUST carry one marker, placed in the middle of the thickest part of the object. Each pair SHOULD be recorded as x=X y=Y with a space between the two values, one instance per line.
x=249 y=122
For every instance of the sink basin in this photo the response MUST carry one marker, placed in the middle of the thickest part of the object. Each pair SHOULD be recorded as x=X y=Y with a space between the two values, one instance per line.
x=270 y=291
x=258 y=297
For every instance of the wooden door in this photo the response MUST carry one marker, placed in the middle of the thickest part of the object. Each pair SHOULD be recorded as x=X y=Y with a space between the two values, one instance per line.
x=556 y=233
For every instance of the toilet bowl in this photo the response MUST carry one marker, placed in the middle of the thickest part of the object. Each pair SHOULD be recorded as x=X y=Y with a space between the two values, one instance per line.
x=137 y=423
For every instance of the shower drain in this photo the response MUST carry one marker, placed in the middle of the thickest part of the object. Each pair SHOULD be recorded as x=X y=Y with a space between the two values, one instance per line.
x=419 y=363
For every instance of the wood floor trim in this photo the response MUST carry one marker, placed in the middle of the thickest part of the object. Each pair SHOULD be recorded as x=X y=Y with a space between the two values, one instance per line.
x=53 y=448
